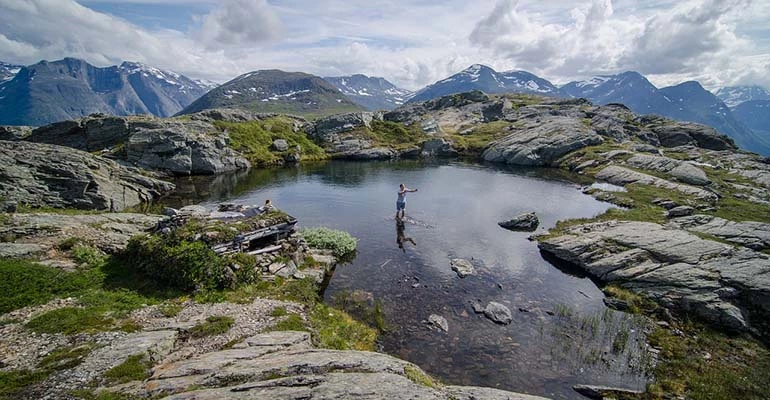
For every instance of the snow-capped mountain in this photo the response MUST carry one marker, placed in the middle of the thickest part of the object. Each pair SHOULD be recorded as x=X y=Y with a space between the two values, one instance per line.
x=735 y=95
x=755 y=114
x=486 y=79
x=688 y=101
x=8 y=71
x=276 y=91
x=70 y=88
x=373 y=93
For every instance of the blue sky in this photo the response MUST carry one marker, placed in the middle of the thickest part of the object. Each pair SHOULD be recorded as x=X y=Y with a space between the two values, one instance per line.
x=411 y=43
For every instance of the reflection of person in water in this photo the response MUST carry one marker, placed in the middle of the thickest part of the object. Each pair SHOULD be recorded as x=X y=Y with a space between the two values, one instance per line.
x=401 y=237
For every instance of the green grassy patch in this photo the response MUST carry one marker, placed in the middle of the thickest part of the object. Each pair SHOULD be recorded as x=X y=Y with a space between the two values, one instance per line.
x=13 y=382
x=255 y=138
x=704 y=364
x=86 y=394
x=70 y=320
x=292 y=322
x=481 y=136
x=415 y=375
x=394 y=135
x=65 y=358
x=336 y=329
x=214 y=325
x=135 y=368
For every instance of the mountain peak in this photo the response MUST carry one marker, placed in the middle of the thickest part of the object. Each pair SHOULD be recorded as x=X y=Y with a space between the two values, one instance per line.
x=371 y=92
x=733 y=96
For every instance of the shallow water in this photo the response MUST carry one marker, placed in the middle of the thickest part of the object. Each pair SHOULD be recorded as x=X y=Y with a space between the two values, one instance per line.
x=561 y=333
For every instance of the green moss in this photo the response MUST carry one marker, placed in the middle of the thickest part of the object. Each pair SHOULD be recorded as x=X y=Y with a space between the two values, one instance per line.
x=87 y=255
x=71 y=320
x=214 y=325
x=421 y=378
x=706 y=365
x=13 y=382
x=279 y=312
x=292 y=322
x=481 y=136
x=255 y=138
x=65 y=357
x=395 y=135
x=336 y=329
x=135 y=368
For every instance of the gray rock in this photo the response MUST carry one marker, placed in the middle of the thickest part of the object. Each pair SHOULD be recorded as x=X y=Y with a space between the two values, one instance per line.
x=178 y=146
x=42 y=175
x=439 y=322
x=374 y=153
x=754 y=235
x=680 y=211
x=20 y=250
x=326 y=129
x=729 y=287
x=623 y=176
x=170 y=212
x=280 y=145
x=527 y=222
x=438 y=147
x=673 y=134
x=9 y=206
x=498 y=313
x=542 y=143
x=462 y=267
x=15 y=132
x=681 y=170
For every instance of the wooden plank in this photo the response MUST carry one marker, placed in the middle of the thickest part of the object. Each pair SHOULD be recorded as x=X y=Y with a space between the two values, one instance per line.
x=264 y=250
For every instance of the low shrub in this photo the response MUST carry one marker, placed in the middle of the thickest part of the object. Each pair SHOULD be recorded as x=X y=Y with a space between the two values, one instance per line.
x=178 y=263
x=135 y=368
x=339 y=242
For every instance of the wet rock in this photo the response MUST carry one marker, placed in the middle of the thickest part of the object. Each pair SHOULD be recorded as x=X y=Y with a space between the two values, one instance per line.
x=438 y=147
x=729 y=287
x=498 y=313
x=42 y=175
x=599 y=392
x=462 y=267
x=438 y=322
x=527 y=222
x=280 y=145
x=680 y=211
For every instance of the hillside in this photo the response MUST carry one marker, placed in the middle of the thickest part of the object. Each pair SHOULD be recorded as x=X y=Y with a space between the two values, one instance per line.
x=70 y=88
x=276 y=91
x=372 y=93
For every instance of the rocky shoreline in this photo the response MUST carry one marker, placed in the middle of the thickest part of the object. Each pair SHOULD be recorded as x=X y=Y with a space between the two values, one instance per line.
x=692 y=233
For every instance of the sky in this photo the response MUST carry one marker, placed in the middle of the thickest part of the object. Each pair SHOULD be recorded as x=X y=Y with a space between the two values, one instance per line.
x=412 y=43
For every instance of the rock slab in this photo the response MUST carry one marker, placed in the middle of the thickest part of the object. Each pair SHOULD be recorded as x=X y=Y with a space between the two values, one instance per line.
x=527 y=222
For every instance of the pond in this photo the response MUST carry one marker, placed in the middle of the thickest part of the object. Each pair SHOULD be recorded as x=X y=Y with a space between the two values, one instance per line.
x=561 y=334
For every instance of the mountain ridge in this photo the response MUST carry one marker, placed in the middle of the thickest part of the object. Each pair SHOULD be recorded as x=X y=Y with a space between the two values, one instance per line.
x=51 y=91
x=373 y=93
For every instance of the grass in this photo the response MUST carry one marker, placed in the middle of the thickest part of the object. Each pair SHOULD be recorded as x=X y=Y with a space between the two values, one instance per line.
x=481 y=136
x=416 y=375
x=636 y=304
x=395 y=135
x=214 y=325
x=292 y=322
x=12 y=383
x=704 y=364
x=255 y=138
x=336 y=329
x=135 y=368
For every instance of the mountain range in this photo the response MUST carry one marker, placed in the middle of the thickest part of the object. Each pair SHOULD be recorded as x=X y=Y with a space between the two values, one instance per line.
x=481 y=77
x=276 y=91
x=373 y=93
x=53 y=91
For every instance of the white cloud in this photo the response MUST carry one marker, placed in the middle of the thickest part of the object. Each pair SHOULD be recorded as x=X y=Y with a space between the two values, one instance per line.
x=412 y=43
x=670 y=41
x=239 y=23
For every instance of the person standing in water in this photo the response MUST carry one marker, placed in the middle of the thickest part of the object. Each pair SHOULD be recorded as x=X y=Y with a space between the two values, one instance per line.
x=401 y=201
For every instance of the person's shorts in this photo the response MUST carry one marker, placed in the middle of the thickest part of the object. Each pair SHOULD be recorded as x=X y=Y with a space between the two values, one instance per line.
x=400 y=205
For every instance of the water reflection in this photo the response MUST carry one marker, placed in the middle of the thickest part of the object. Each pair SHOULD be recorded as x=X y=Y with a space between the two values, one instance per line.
x=543 y=351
